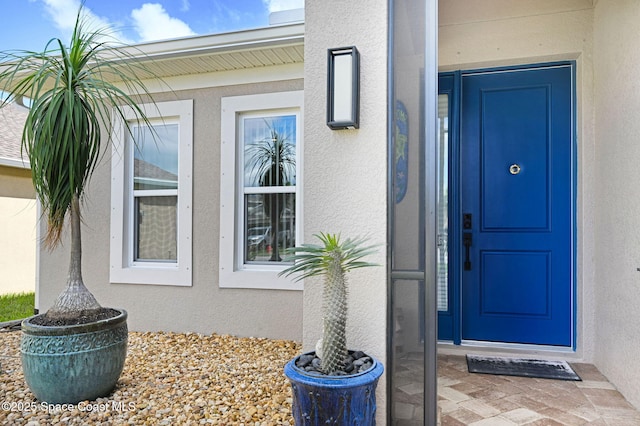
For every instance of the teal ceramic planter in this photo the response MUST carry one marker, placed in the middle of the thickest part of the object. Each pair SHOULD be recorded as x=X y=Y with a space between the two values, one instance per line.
x=69 y=364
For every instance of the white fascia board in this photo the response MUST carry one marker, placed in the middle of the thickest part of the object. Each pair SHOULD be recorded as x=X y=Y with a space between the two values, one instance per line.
x=280 y=35
x=11 y=162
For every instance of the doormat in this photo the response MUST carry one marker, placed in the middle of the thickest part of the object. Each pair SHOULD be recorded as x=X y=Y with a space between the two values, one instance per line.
x=559 y=370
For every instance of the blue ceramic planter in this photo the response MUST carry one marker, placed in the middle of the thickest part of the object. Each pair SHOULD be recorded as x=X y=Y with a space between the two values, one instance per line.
x=69 y=364
x=334 y=400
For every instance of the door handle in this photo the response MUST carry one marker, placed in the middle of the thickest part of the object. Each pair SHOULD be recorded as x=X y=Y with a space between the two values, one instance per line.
x=467 y=241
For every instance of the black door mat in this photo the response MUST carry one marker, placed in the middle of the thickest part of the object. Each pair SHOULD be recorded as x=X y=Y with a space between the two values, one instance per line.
x=559 y=370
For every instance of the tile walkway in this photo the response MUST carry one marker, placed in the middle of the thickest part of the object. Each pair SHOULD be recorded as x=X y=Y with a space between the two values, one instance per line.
x=486 y=400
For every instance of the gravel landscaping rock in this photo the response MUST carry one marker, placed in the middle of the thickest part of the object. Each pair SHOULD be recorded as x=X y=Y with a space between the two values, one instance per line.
x=168 y=379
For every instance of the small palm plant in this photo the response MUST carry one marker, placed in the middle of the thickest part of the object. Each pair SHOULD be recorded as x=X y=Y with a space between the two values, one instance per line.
x=333 y=259
x=72 y=101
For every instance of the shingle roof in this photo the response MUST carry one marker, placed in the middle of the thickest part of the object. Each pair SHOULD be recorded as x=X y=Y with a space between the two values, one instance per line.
x=12 y=118
x=144 y=169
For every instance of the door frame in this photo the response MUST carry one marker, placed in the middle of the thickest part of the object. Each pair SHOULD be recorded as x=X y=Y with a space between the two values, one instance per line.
x=453 y=318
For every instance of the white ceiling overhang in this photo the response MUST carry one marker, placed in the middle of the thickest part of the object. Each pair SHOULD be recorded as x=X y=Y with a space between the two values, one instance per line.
x=263 y=47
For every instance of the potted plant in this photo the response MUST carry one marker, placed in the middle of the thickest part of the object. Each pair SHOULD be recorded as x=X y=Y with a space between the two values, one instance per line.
x=332 y=385
x=76 y=350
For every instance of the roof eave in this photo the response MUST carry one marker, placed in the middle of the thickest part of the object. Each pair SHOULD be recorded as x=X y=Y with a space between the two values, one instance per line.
x=11 y=162
x=280 y=35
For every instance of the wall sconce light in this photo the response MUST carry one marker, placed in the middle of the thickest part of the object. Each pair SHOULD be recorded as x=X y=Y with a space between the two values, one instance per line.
x=343 y=88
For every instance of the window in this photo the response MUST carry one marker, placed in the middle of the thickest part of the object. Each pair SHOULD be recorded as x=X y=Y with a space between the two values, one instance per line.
x=260 y=215
x=269 y=185
x=151 y=190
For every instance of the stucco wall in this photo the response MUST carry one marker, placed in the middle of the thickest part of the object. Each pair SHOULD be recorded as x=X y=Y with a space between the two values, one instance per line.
x=17 y=231
x=203 y=307
x=345 y=182
x=17 y=245
x=492 y=33
x=617 y=230
x=16 y=183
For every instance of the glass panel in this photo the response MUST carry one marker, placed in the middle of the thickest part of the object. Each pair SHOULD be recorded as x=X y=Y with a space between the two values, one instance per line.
x=408 y=352
x=442 y=217
x=156 y=157
x=156 y=228
x=265 y=213
x=269 y=151
x=342 y=87
x=414 y=251
x=408 y=184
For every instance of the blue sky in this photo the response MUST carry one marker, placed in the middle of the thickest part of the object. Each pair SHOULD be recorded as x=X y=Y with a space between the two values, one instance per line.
x=29 y=24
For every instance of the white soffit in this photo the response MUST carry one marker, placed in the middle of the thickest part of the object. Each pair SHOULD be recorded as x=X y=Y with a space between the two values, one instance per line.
x=263 y=47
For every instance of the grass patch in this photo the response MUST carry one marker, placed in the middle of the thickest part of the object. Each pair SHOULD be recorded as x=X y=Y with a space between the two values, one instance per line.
x=16 y=306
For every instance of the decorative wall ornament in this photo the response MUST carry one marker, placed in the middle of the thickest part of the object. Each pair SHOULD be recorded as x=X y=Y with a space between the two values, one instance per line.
x=401 y=149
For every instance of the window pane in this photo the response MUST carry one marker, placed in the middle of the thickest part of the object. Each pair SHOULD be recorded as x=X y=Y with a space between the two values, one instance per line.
x=407 y=373
x=442 y=187
x=156 y=228
x=269 y=151
x=265 y=213
x=156 y=157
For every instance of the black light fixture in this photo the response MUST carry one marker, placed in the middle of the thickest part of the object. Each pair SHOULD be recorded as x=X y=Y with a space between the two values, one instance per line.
x=343 y=88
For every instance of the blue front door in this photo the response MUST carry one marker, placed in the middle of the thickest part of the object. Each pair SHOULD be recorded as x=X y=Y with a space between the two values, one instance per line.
x=516 y=198
x=516 y=202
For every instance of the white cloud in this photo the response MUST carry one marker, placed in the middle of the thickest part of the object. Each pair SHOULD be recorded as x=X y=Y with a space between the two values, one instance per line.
x=225 y=13
x=152 y=22
x=185 y=6
x=278 y=5
x=65 y=12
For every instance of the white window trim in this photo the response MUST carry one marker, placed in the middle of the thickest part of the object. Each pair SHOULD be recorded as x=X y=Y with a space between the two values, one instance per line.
x=232 y=273
x=122 y=268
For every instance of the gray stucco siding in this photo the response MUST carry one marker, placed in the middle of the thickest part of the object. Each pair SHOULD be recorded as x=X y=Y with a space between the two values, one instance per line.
x=202 y=307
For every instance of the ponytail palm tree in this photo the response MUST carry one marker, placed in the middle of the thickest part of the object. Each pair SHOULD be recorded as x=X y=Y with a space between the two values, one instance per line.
x=73 y=95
